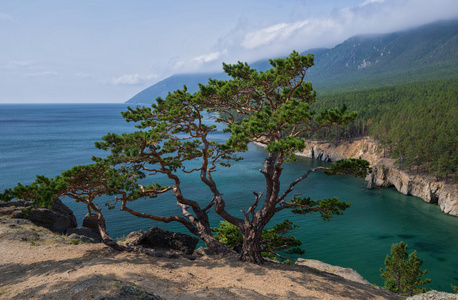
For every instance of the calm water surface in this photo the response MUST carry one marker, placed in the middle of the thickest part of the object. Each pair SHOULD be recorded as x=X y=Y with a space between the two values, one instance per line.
x=50 y=138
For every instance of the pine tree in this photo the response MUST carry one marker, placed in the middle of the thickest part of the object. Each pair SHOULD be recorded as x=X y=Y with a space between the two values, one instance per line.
x=402 y=273
x=272 y=108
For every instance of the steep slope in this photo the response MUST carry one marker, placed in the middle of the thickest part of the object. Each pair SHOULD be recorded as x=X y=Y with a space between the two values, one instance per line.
x=386 y=173
x=425 y=53
x=429 y=52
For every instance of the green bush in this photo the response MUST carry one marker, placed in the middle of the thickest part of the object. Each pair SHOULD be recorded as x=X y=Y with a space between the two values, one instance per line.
x=273 y=240
x=75 y=241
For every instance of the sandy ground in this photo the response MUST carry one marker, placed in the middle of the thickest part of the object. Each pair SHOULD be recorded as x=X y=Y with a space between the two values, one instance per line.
x=43 y=266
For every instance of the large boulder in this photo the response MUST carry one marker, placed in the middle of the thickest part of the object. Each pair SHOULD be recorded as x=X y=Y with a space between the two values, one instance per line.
x=161 y=239
x=58 y=218
x=91 y=224
x=84 y=234
x=88 y=233
x=434 y=295
x=346 y=273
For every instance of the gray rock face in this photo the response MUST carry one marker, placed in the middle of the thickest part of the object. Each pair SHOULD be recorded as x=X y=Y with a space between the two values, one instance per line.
x=346 y=273
x=88 y=233
x=58 y=218
x=426 y=187
x=84 y=234
x=91 y=224
x=434 y=295
x=161 y=239
x=386 y=174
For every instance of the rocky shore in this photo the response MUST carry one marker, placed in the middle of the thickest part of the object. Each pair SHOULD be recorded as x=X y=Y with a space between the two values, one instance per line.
x=386 y=174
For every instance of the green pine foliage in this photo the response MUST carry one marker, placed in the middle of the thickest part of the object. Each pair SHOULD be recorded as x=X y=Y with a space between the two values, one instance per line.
x=326 y=207
x=402 y=273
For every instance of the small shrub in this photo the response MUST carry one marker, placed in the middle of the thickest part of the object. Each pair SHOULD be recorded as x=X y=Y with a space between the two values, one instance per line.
x=121 y=239
x=75 y=241
x=455 y=289
x=288 y=262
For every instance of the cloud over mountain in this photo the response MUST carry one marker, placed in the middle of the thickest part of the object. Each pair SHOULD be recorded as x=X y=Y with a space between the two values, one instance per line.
x=247 y=43
x=131 y=79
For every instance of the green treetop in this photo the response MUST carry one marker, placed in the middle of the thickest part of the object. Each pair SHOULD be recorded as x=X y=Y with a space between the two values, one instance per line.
x=402 y=273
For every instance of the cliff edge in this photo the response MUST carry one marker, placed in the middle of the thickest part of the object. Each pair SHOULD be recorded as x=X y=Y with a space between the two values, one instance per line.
x=386 y=174
x=37 y=263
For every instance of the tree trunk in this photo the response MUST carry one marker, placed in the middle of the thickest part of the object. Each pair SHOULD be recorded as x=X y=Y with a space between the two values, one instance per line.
x=251 y=248
x=214 y=245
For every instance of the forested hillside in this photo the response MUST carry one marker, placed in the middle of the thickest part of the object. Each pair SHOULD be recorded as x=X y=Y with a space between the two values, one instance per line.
x=416 y=121
x=428 y=52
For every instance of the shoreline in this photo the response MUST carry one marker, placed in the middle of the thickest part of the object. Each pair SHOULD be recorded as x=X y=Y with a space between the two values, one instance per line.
x=385 y=173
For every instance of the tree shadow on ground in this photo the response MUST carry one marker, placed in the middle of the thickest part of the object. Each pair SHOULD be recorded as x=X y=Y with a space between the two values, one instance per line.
x=181 y=282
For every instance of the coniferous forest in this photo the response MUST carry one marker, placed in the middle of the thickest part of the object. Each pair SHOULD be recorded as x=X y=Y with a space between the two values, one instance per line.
x=415 y=123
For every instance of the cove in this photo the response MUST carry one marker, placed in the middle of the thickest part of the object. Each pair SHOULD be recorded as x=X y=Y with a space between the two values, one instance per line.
x=48 y=139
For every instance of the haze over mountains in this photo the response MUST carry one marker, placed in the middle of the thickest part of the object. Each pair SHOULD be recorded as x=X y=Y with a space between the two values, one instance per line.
x=428 y=52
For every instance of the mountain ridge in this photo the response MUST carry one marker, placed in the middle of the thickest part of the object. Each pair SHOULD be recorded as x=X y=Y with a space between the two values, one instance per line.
x=428 y=52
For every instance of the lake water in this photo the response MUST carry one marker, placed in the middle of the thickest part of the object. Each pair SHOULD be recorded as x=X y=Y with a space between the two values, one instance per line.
x=48 y=139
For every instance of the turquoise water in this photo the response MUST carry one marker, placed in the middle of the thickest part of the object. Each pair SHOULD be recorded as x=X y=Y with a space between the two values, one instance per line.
x=50 y=138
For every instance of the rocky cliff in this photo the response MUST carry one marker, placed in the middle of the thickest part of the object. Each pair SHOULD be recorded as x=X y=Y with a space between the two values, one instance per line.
x=386 y=174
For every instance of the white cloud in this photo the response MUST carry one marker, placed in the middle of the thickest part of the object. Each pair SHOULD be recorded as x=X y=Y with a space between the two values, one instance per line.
x=5 y=17
x=131 y=79
x=206 y=58
x=27 y=69
x=83 y=75
x=368 y=2
x=371 y=16
x=42 y=74
x=202 y=63
x=250 y=40
x=284 y=33
x=13 y=65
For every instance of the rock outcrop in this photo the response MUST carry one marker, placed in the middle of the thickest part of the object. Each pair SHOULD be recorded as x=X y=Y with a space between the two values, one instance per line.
x=346 y=273
x=58 y=218
x=386 y=174
x=434 y=295
x=87 y=233
x=425 y=187
x=160 y=239
x=84 y=234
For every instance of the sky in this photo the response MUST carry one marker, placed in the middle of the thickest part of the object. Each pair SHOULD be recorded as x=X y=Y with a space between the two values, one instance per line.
x=106 y=51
